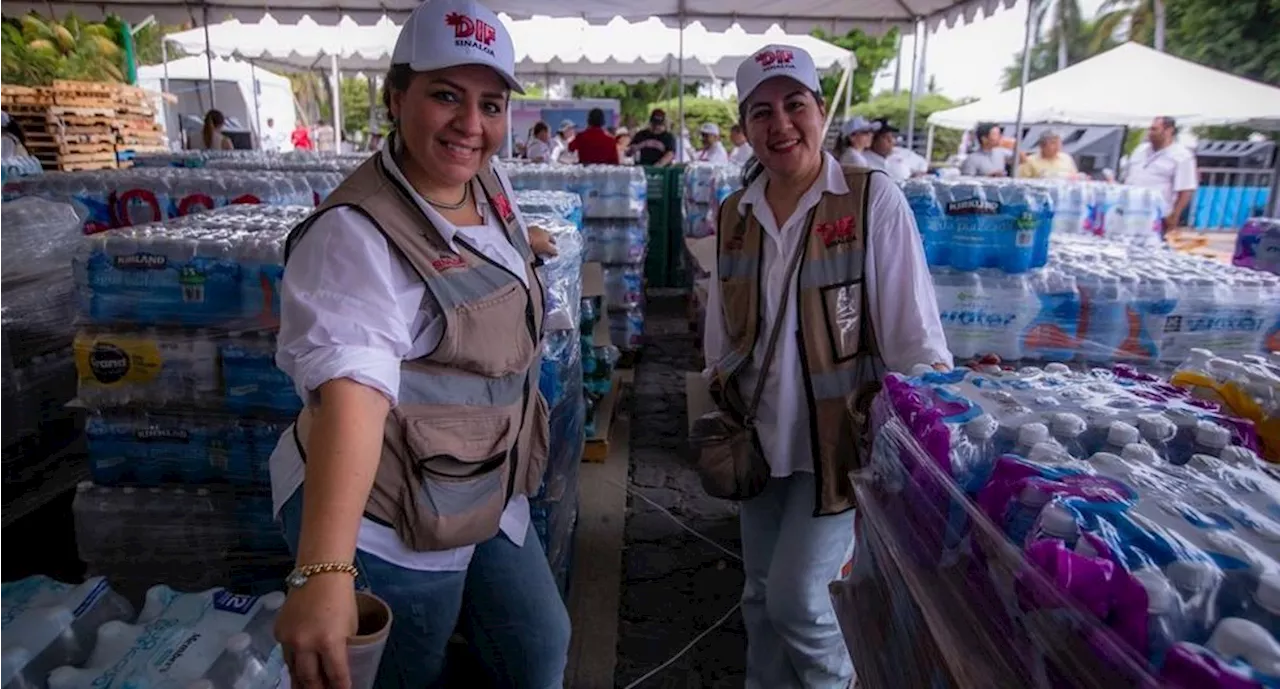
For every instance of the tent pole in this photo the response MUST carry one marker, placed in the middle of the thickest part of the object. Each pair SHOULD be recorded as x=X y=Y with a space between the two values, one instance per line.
x=257 y=107
x=209 y=62
x=848 y=92
x=680 y=152
x=928 y=144
x=337 y=102
x=1022 y=86
x=911 y=99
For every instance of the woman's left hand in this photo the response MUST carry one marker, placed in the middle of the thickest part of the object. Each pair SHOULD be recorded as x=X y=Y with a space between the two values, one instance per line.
x=542 y=242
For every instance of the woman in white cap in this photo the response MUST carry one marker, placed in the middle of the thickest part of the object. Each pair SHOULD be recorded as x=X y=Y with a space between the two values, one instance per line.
x=560 y=152
x=712 y=150
x=855 y=137
x=411 y=325
x=830 y=259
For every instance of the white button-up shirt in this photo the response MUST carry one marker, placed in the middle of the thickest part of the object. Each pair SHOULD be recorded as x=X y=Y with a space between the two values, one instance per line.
x=353 y=307
x=904 y=310
x=741 y=154
x=1170 y=170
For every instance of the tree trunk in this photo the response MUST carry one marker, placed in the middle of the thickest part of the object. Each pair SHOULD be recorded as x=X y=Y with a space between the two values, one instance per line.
x=1158 y=10
x=1063 y=57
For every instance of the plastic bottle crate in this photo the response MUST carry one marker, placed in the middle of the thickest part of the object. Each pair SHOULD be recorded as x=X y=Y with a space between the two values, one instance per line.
x=665 y=190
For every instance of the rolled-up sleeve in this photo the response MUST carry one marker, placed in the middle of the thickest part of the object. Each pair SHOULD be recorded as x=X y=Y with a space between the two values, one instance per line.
x=904 y=309
x=342 y=314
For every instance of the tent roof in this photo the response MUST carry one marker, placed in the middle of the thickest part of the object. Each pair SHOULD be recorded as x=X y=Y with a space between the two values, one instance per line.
x=1128 y=85
x=799 y=16
x=545 y=47
x=195 y=68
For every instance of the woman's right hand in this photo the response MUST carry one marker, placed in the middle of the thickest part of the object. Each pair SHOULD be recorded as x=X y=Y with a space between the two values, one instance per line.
x=313 y=627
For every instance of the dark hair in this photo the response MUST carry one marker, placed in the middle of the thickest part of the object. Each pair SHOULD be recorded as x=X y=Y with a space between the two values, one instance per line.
x=736 y=128
x=1168 y=122
x=540 y=127
x=212 y=120
x=16 y=130
x=752 y=168
x=595 y=118
x=984 y=130
x=397 y=79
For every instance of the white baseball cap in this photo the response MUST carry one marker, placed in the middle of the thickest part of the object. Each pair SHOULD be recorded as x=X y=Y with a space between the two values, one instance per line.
x=710 y=128
x=776 y=61
x=567 y=124
x=448 y=33
x=857 y=124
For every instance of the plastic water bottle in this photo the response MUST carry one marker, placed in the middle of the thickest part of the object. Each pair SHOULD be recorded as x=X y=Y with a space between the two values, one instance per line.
x=1043 y=208
x=1106 y=306
x=1013 y=305
x=1157 y=431
x=1023 y=511
x=1017 y=244
x=968 y=216
x=1052 y=333
x=1058 y=521
x=1182 y=446
x=1166 y=624
x=1119 y=435
x=1237 y=638
x=1067 y=429
x=930 y=219
x=1210 y=439
x=960 y=300
x=1139 y=454
x=1029 y=435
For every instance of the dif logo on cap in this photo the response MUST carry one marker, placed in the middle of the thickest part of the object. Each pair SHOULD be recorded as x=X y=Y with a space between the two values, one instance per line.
x=775 y=58
x=471 y=33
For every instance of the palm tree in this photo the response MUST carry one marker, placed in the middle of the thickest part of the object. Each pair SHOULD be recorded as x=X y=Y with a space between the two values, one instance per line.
x=1062 y=20
x=1132 y=20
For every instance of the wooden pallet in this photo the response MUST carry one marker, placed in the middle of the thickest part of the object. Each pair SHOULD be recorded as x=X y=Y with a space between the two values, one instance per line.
x=19 y=96
x=45 y=138
x=83 y=166
x=596 y=448
x=64 y=148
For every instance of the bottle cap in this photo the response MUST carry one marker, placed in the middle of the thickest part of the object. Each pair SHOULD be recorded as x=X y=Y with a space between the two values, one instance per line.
x=1138 y=453
x=1059 y=522
x=1047 y=453
x=1121 y=434
x=1107 y=460
x=1034 y=494
x=239 y=642
x=1268 y=593
x=1237 y=455
x=1155 y=427
x=1032 y=433
x=64 y=677
x=1161 y=597
x=1212 y=435
x=1057 y=368
x=1067 y=424
x=273 y=600
x=1192 y=576
x=920 y=370
x=981 y=427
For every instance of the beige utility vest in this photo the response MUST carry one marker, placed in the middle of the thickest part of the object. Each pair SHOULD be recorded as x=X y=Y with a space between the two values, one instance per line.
x=837 y=346
x=470 y=429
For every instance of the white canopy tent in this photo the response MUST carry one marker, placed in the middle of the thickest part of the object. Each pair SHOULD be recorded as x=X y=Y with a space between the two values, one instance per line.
x=1128 y=85
x=545 y=47
x=249 y=94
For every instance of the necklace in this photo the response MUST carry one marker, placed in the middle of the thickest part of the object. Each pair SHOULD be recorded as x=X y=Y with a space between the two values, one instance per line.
x=466 y=196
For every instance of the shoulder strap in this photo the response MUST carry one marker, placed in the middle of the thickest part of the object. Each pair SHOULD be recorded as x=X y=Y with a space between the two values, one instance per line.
x=866 y=330
x=779 y=317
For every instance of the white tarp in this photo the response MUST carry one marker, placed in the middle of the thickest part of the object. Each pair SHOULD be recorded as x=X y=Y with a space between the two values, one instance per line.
x=545 y=48
x=798 y=16
x=234 y=83
x=1128 y=85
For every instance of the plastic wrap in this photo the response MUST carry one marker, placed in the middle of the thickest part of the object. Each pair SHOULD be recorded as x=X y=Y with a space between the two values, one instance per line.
x=252 y=160
x=560 y=204
x=626 y=328
x=13 y=167
x=607 y=191
x=59 y=636
x=1055 y=528
x=623 y=287
x=706 y=186
x=617 y=241
x=1249 y=389
x=561 y=274
x=1258 y=245
x=35 y=403
x=1102 y=303
x=39 y=239
x=125 y=198
x=554 y=507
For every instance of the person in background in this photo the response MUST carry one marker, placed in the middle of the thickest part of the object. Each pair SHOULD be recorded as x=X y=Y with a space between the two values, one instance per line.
x=884 y=153
x=991 y=158
x=411 y=323
x=856 y=232
x=595 y=146
x=654 y=145
x=855 y=137
x=1163 y=164
x=14 y=142
x=712 y=150
x=211 y=136
x=1050 y=162
x=742 y=151
x=539 y=148
x=326 y=137
x=623 y=140
x=301 y=137
x=272 y=139
x=560 y=152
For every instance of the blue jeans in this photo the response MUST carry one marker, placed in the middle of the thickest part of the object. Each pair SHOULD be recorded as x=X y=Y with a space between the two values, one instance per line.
x=789 y=557
x=507 y=602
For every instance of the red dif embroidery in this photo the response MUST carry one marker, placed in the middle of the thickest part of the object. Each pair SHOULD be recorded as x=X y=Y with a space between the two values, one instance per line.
x=838 y=232
x=466 y=27
x=769 y=58
x=447 y=263
x=503 y=206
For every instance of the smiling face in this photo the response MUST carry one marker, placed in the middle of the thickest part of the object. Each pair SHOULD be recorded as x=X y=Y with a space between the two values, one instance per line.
x=784 y=126
x=452 y=121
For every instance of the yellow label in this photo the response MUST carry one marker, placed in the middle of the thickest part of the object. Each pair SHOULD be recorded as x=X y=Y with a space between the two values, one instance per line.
x=110 y=360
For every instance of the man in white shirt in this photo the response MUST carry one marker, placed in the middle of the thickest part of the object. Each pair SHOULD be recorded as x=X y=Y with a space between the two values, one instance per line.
x=992 y=158
x=272 y=139
x=712 y=150
x=1165 y=165
x=885 y=154
x=539 y=148
x=741 y=152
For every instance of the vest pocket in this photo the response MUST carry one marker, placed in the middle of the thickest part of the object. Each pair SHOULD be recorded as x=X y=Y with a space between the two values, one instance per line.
x=458 y=470
x=490 y=335
x=842 y=313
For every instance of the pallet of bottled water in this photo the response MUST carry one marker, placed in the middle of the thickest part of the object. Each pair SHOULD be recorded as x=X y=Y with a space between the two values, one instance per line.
x=1258 y=245
x=560 y=204
x=1101 y=302
x=1065 y=527
x=706 y=186
x=607 y=191
x=63 y=636
x=253 y=160
x=124 y=198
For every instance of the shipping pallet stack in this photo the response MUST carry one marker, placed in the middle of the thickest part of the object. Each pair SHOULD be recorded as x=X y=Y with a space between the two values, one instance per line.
x=68 y=126
x=136 y=127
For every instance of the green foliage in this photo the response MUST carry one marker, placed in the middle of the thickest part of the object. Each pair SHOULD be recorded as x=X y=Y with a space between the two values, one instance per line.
x=355 y=104
x=35 y=51
x=699 y=111
x=534 y=91
x=872 y=52
x=895 y=107
x=1044 y=54
x=1239 y=37
x=634 y=99
x=146 y=44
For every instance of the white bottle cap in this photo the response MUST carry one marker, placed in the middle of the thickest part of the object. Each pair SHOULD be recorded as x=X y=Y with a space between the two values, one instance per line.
x=1138 y=453
x=1032 y=433
x=1192 y=576
x=1156 y=427
x=112 y=630
x=1121 y=434
x=1058 y=521
x=1107 y=460
x=1057 y=368
x=1238 y=455
x=1068 y=424
x=1268 y=593
x=1237 y=638
x=1212 y=435
x=1161 y=597
x=1033 y=494
x=1182 y=418
x=273 y=601
x=1047 y=453
x=239 y=642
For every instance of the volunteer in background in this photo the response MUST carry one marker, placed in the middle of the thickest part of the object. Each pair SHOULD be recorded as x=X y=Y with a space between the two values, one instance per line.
x=991 y=158
x=741 y=152
x=539 y=149
x=560 y=152
x=1050 y=162
x=272 y=139
x=884 y=153
x=654 y=145
x=712 y=150
x=301 y=137
x=595 y=146
x=211 y=136
x=14 y=141
x=411 y=325
x=623 y=140
x=789 y=554
x=855 y=138
x=326 y=137
x=1163 y=164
